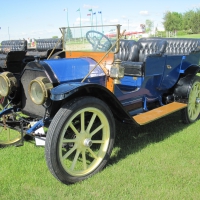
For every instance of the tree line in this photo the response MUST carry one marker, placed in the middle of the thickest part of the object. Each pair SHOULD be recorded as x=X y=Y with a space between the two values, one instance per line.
x=184 y=23
x=188 y=22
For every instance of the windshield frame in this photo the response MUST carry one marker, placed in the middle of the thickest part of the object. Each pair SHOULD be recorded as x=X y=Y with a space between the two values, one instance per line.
x=63 y=31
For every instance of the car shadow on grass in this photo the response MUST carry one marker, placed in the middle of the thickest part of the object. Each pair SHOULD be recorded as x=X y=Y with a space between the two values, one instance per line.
x=131 y=138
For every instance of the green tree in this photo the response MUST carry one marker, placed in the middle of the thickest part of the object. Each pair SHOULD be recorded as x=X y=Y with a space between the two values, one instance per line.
x=54 y=37
x=195 y=22
x=149 y=25
x=69 y=33
x=187 y=20
x=173 y=21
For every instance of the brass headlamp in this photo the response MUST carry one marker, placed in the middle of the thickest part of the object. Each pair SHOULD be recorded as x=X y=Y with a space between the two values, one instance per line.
x=8 y=83
x=39 y=89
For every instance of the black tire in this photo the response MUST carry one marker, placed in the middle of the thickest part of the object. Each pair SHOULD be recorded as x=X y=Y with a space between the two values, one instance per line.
x=191 y=113
x=80 y=139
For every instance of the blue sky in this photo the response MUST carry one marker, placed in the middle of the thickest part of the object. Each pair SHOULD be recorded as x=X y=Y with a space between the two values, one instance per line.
x=42 y=18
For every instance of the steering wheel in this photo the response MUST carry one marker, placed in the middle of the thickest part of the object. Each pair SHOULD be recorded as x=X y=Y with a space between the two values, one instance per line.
x=98 y=41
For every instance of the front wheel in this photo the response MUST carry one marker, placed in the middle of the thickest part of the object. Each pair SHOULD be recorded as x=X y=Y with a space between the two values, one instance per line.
x=8 y=136
x=80 y=139
x=191 y=113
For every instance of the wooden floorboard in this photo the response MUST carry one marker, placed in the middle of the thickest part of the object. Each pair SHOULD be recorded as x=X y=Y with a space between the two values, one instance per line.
x=157 y=113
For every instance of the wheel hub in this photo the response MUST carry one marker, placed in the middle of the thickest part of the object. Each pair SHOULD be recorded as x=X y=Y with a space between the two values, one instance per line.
x=83 y=141
x=197 y=100
x=87 y=142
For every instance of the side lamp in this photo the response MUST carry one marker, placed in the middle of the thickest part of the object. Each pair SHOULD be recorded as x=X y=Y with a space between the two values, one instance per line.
x=8 y=83
x=117 y=71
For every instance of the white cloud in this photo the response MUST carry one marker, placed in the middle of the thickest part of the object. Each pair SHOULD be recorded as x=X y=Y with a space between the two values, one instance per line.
x=114 y=20
x=194 y=6
x=49 y=31
x=51 y=25
x=90 y=6
x=105 y=20
x=33 y=31
x=82 y=19
x=23 y=33
x=144 y=12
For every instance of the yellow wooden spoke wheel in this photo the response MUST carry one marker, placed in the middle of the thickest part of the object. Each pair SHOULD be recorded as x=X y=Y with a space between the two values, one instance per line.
x=191 y=113
x=80 y=140
x=8 y=136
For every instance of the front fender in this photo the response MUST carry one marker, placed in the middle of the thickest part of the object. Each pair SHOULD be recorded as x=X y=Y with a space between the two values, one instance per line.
x=66 y=90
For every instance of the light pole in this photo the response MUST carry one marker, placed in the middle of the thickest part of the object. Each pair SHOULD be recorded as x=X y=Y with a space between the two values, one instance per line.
x=8 y=33
x=96 y=18
x=100 y=12
x=128 y=24
x=91 y=16
x=74 y=31
x=67 y=16
x=80 y=20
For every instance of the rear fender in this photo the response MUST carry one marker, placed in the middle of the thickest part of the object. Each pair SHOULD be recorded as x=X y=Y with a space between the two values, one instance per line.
x=67 y=91
x=1 y=69
x=182 y=88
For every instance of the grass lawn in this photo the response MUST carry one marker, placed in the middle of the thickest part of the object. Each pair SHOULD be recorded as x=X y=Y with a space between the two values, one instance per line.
x=162 y=163
x=190 y=36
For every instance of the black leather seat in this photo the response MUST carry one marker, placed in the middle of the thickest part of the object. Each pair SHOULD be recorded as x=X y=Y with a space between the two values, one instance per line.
x=129 y=54
x=12 y=53
x=151 y=47
x=182 y=46
x=45 y=46
x=178 y=46
x=133 y=54
x=13 y=45
x=128 y=51
x=3 y=56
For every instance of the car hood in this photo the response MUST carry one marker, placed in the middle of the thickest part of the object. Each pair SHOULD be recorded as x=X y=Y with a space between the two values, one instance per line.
x=73 y=69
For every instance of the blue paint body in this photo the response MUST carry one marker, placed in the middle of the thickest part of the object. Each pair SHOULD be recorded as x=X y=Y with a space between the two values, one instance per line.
x=160 y=74
x=133 y=94
x=75 y=69
x=36 y=126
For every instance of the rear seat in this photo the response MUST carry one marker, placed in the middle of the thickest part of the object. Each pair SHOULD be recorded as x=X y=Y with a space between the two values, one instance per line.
x=45 y=46
x=133 y=54
x=179 y=46
x=13 y=45
x=12 y=53
x=182 y=46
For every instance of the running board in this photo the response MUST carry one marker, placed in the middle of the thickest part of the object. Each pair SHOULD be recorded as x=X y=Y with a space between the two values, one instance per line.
x=157 y=113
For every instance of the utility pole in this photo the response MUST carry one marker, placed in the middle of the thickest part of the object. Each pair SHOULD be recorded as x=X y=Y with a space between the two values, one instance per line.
x=8 y=33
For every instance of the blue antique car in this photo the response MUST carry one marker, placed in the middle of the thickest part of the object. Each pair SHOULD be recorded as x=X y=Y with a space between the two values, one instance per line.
x=71 y=100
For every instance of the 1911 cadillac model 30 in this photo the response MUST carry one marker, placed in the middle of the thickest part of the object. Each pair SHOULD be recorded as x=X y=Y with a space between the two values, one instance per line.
x=79 y=95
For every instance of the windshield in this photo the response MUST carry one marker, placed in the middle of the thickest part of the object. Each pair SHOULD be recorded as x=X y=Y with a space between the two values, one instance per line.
x=90 y=38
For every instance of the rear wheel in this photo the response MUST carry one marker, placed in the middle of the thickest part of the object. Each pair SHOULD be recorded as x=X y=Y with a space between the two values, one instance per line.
x=191 y=113
x=8 y=136
x=80 y=140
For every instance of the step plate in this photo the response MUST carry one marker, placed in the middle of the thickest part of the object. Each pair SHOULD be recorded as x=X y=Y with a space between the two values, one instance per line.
x=157 y=113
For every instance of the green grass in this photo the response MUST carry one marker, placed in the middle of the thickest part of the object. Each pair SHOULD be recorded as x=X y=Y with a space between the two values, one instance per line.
x=162 y=163
x=190 y=36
